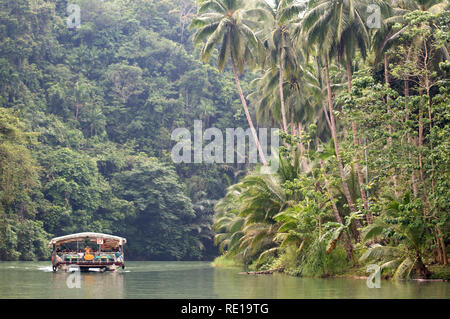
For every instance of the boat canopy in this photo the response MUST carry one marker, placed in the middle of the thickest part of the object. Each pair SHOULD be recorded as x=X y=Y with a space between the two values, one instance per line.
x=105 y=239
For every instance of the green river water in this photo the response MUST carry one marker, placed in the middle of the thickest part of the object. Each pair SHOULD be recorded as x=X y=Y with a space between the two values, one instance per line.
x=180 y=280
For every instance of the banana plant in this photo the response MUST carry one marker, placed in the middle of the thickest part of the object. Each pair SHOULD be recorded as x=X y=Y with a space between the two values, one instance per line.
x=334 y=231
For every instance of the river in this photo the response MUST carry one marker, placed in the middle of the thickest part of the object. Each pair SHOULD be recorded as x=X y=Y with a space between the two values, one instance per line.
x=181 y=280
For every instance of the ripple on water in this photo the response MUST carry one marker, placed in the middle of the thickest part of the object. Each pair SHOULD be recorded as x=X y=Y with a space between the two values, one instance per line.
x=46 y=269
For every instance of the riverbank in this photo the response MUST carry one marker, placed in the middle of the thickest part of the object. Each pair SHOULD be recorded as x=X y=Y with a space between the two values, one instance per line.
x=438 y=272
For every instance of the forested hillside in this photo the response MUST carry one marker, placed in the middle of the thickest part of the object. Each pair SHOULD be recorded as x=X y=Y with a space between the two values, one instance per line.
x=85 y=126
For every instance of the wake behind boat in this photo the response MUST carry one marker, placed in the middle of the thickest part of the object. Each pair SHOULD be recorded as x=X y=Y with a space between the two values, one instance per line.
x=87 y=251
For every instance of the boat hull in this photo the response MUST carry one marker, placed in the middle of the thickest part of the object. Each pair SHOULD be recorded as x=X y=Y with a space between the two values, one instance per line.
x=85 y=266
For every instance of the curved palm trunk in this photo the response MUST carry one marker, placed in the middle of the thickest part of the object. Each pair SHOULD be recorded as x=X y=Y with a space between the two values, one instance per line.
x=247 y=114
x=283 y=105
x=356 y=144
x=351 y=205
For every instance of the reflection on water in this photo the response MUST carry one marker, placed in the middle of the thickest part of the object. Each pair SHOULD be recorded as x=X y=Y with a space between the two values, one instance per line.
x=231 y=284
x=177 y=280
x=193 y=280
x=92 y=285
x=35 y=280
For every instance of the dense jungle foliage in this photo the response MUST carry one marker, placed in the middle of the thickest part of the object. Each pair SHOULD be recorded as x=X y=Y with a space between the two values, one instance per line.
x=358 y=89
x=85 y=126
x=360 y=93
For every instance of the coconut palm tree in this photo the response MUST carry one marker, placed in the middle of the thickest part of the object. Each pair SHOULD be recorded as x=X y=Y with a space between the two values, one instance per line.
x=267 y=101
x=278 y=43
x=332 y=122
x=265 y=98
x=303 y=94
x=354 y=35
x=319 y=25
x=245 y=217
x=337 y=28
x=227 y=222
x=226 y=24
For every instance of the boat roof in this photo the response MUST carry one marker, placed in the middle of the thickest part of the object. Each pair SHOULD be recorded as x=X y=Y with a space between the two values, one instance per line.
x=82 y=236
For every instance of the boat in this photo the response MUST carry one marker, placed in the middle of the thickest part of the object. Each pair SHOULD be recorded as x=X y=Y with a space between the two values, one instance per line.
x=87 y=251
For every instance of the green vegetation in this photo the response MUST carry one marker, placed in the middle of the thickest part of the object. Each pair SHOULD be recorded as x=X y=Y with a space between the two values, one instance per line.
x=86 y=117
x=363 y=113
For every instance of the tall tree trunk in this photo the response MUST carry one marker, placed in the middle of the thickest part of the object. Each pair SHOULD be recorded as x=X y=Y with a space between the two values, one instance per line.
x=421 y=127
x=443 y=247
x=302 y=147
x=283 y=106
x=413 y=173
x=327 y=187
x=386 y=79
x=421 y=270
x=77 y=106
x=299 y=250
x=433 y=182
x=410 y=141
x=320 y=226
x=430 y=118
x=356 y=144
x=349 y=75
x=427 y=84
x=420 y=145
x=348 y=243
x=347 y=194
x=438 y=250
x=299 y=134
x=293 y=128
x=247 y=113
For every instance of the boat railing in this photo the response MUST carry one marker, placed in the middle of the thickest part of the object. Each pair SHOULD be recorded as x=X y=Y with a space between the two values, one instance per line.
x=97 y=257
